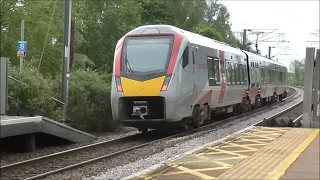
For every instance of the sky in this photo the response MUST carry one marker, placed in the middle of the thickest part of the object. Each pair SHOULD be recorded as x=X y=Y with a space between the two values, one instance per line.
x=295 y=18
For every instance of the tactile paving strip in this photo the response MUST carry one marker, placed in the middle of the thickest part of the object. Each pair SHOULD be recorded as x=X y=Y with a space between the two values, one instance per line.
x=212 y=162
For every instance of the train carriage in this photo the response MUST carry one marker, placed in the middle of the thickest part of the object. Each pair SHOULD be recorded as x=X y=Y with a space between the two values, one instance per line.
x=163 y=74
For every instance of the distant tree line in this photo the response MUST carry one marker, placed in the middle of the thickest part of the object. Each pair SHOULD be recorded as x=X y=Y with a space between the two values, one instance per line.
x=99 y=25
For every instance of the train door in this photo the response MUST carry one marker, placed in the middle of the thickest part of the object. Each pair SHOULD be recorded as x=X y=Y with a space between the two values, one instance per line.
x=194 y=79
x=187 y=75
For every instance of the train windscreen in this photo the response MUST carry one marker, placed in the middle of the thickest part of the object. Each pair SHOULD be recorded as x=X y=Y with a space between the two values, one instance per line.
x=146 y=54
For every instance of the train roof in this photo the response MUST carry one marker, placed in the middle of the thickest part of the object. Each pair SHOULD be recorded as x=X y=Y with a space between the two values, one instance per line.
x=207 y=42
x=261 y=58
x=200 y=40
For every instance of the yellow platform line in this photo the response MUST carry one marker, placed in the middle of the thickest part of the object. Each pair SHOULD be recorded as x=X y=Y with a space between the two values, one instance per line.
x=251 y=140
x=286 y=163
x=196 y=170
x=190 y=171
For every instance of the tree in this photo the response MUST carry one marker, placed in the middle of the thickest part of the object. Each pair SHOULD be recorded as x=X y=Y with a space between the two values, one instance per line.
x=207 y=31
x=297 y=77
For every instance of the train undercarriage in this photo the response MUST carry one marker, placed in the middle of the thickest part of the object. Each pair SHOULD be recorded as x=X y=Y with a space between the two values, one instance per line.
x=149 y=112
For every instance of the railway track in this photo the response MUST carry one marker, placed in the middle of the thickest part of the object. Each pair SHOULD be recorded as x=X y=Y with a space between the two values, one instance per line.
x=74 y=158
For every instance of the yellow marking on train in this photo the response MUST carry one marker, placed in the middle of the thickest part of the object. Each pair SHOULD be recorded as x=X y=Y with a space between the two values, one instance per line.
x=286 y=163
x=145 y=88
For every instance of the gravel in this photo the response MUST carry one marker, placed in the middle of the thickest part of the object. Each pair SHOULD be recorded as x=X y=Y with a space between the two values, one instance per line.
x=17 y=157
x=143 y=158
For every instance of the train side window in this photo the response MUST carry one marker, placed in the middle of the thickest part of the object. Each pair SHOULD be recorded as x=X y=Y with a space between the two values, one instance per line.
x=240 y=68
x=185 y=57
x=262 y=73
x=216 y=70
x=213 y=71
x=232 y=69
x=236 y=73
x=229 y=73
x=245 y=72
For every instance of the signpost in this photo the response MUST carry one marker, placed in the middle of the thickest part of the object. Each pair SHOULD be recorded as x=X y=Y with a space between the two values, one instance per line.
x=22 y=47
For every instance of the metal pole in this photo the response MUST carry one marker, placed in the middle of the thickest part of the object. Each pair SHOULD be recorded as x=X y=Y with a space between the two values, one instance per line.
x=269 y=52
x=4 y=85
x=66 y=56
x=244 y=38
x=308 y=79
x=316 y=83
x=22 y=39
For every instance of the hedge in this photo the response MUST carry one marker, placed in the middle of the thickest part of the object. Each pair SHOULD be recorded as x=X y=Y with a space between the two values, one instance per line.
x=89 y=97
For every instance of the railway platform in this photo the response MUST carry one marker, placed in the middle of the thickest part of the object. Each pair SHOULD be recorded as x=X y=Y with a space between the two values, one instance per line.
x=255 y=153
x=27 y=127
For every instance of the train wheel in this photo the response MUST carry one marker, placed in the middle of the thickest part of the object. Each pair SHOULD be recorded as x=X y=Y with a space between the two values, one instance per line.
x=280 y=97
x=196 y=117
x=246 y=105
x=258 y=102
x=207 y=110
x=274 y=98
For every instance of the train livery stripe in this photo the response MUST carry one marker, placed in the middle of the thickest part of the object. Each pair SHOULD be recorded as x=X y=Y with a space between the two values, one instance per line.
x=118 y=57
x=207 y=98
x=175 y=51
x=223 y=83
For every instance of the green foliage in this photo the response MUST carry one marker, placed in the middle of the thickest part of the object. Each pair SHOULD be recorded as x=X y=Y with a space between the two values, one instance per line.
x=99 y=25
x=33 y=92
x=207 y=31
x=296 y=76
x=89 y=102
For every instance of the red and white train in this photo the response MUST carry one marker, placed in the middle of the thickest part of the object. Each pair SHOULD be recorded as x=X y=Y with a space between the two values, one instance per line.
x=163 y=75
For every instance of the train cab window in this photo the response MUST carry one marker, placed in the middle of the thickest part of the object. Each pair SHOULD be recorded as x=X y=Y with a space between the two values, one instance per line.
x=185 y=57
x=213 y=71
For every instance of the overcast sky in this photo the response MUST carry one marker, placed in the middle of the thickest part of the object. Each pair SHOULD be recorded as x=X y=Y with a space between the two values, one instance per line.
x=296 y=19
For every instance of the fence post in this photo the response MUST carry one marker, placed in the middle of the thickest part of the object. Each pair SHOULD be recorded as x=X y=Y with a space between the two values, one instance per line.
x=4 y=85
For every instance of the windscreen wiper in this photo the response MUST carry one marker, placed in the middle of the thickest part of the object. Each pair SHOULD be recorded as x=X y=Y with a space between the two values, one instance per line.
x=128 y=64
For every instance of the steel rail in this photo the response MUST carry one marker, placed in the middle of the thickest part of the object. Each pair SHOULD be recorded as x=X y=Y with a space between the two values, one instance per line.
x=14 y=166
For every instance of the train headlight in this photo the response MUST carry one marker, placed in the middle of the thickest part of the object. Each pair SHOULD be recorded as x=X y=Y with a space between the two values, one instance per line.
x=166 y=82
x=118 y=84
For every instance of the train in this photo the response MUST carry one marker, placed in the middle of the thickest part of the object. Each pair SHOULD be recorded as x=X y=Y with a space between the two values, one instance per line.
x=164 y=77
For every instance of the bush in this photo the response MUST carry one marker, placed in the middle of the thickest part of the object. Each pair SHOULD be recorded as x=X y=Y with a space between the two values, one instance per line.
x=89 y=97
x=33 y=94
x=89 y=101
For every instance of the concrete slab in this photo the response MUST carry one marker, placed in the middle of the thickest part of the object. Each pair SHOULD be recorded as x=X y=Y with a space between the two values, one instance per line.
x=17 y=125
x=307 y=165
x=260 y=153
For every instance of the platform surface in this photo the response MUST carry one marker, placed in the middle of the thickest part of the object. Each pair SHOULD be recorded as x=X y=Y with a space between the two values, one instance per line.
x=18 y=125
x=259 y=153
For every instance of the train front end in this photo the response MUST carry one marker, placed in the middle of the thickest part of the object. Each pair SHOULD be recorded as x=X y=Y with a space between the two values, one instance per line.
x=142 y=76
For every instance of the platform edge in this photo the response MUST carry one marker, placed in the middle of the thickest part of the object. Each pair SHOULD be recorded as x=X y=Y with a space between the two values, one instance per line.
x=280 y=170
x=162 y=164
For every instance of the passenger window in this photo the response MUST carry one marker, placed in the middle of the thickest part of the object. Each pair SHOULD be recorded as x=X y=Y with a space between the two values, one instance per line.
x=229 y=72
x=240 y=67
x=213 y=71
x=245 y=72
x=185 y=58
